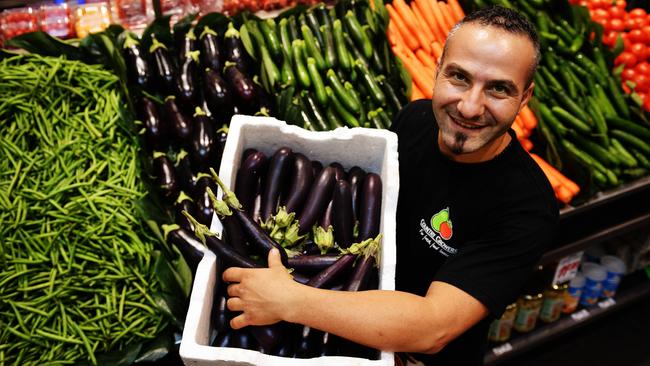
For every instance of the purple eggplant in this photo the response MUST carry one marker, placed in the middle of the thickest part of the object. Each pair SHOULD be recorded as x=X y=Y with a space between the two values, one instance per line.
x=316 y=166
x=137 y=67
x=248 y=177
x=202 y=198
x=370 y=207
x=217 y=95
x=340 y=172
x=219 y=146
x=234 y=234
x=165 y=176
x=243 y=339
x=308 y=343
x=155 y=129
x=343 y=221
x=277 y=177
x=356 y=176
x=312 y=263
x=220 y=315
x=223 y=340
x=235 y=50
x=242 y=86
x=258 y=236
x=184 y=203
x=210 y=53
x=327 y=219
x=269 y=337
x=362 y=272
x=248 y=152
x=179 y=124
x=333 y=273
x=163 y=66
x=202 y=143
x=184 y=174
x=187 y=82
x=319 y=196
x=187 y=45
x=228 y=254
x=186 y=242
x=303 y=177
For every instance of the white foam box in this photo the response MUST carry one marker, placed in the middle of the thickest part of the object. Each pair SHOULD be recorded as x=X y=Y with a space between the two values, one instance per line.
x=371 y=149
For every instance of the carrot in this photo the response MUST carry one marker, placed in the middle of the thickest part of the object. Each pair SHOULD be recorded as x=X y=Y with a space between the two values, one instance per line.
x=528 y=117
x=526 y=144
x=437 y=14
x=394 y=36
x=411 y=23
x=426 y=59
x=409 y=40
x=422 y=24
x=564 y=195
x=555 y=182
x=446 y=12
x=518 y=131
x=568 y=183
x=420 y=76
x=437 y=50
x=456 y=10
x=427 y=14
x=416 y=93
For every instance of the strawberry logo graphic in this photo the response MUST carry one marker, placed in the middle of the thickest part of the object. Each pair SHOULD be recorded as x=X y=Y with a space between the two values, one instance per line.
x=441 y=224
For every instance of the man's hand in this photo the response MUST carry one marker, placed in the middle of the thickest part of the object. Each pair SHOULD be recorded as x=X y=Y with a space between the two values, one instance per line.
x=261 y=294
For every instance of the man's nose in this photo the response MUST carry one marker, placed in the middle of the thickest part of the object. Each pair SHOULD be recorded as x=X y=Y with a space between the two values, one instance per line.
x=471 y=105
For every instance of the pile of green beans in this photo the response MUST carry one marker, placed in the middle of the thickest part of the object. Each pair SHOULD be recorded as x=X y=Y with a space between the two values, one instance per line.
x=76 y=266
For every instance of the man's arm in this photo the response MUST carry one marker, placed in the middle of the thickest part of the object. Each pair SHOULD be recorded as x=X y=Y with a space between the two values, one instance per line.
x=387 y=320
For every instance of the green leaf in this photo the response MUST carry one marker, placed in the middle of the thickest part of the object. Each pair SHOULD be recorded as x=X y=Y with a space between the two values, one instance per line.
x=124 y=357
x=44 y=44
x=184 y=273
x=160 y=28
x=158 y=348
x=295 y=11
x=168 y=298
x=216 y=21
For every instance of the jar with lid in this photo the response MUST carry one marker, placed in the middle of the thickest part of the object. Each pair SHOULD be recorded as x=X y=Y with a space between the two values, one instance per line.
x=501 y=329
x=529 y=303
x=91 y=17
x=56 y=20
x=553 y=302
x=133 y=14
x=17 y=21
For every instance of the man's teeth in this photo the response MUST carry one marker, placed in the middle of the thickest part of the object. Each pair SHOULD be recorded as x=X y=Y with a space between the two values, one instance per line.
x=468 y=126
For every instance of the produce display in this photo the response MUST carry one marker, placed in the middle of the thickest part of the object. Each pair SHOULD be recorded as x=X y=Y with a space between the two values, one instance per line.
x=325 y=222
x=633 y=29
x=328 y=67
x=83 y=277
x=233 y=7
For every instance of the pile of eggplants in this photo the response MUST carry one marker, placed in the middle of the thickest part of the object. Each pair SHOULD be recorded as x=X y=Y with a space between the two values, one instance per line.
x=324 y=219
x=185 y=87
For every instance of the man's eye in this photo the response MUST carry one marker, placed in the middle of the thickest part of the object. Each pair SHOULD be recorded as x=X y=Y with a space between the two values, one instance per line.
x=459 y=76
x=500 y=89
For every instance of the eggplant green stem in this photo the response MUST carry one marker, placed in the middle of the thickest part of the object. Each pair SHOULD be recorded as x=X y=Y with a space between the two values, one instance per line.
x=207 y=30
x=199 y=112
x=232 y=32
x=228 y=195
x=200 y=230
x=156 y=45
x=183 y=197
x=168 y=229
x=220 y=207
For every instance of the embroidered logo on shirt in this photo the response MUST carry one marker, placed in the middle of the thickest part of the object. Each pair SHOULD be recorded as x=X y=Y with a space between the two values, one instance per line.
x=437 y=231
x=441 y=223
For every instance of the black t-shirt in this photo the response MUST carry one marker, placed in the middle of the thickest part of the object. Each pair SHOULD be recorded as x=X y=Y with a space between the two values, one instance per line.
x=480 y=227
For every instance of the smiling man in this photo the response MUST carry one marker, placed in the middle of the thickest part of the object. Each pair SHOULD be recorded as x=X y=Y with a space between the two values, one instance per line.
x=474 y=212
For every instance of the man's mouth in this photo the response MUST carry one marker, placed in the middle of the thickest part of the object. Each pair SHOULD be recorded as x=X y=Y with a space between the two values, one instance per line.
x=466 y=125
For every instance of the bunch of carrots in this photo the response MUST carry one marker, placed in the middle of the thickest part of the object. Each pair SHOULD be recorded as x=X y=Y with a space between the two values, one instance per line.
x=417 y=35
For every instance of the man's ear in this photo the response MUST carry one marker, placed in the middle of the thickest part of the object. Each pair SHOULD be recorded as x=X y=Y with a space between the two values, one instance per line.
x=528 y=93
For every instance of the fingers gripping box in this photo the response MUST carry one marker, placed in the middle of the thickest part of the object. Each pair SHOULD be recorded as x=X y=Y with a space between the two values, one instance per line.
x=373 y=150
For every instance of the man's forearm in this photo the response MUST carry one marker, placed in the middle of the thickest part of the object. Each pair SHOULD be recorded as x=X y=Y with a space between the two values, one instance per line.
x=387 y=320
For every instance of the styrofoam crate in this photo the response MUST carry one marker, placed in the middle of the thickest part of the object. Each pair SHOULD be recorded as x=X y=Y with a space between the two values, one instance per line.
x=371 y=149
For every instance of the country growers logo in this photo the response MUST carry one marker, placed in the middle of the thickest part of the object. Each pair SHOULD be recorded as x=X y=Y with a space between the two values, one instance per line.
x=436 y=231
x=441 y=223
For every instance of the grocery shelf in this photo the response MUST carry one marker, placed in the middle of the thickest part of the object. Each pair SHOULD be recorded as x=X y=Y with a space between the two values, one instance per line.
x=546 y=332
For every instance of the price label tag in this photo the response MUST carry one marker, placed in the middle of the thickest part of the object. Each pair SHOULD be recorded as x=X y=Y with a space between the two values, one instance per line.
x=567 y=268
x=580 y=315
x=504 y=348
x=606 y=303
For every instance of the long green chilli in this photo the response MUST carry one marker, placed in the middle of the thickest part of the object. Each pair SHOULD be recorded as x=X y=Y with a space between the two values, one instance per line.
x=74 y=252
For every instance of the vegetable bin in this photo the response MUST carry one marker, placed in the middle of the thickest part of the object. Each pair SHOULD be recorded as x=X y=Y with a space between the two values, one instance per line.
x=371 y=149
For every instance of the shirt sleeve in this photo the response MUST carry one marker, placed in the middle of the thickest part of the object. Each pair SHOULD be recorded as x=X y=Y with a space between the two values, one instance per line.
x=494 y=268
